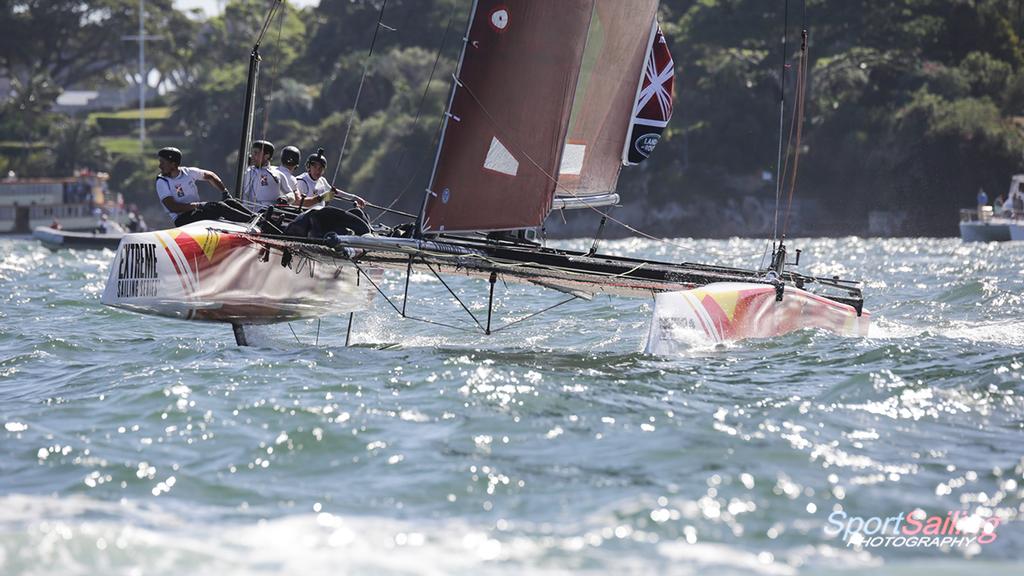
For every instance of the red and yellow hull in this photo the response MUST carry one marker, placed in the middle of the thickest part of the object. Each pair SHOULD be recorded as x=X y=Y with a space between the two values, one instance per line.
x=207 y=271
x=735 y=311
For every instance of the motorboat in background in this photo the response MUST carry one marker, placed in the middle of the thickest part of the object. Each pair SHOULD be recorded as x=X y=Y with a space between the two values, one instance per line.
x=74 y=202
x=996 y=223
x=56 y=239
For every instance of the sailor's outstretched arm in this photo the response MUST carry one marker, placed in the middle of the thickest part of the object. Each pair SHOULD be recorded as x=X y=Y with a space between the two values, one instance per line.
x=212 y=178
x=338 y=192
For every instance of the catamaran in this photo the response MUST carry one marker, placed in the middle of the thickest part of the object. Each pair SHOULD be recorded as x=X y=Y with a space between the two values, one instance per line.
x=550 y=101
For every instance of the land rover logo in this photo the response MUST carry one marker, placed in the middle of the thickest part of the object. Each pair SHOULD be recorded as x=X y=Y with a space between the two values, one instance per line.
x=646 y=143
x=445 y=194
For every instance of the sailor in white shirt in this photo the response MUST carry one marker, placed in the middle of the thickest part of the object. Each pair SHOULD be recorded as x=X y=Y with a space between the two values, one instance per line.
x=179 y=196
x=263 y=184
x=290 y=158
x=317 y=191
x=312 y=184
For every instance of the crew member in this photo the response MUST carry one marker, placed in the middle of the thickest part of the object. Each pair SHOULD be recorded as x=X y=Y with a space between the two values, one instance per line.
x=312 y=184
x=316 y=191
x=264 y=184
x=290 y=158
x=176 y=187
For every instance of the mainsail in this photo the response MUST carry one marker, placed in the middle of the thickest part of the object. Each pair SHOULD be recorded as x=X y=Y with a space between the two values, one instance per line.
x=617 y=44
x=542 y=105
x=502 y=142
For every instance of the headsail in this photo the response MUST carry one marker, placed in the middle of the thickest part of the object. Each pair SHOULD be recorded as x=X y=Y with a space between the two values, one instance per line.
x=617 y=45
x=653 y=107
x=502 y=142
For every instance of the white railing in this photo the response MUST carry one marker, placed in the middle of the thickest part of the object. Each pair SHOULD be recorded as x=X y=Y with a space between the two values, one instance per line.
x=987 y=214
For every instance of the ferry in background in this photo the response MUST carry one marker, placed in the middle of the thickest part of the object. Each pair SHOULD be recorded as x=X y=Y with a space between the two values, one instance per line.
x=999 y=223
x=75 y=202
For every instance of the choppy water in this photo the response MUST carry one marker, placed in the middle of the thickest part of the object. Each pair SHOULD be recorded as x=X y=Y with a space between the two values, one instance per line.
x=135 y=445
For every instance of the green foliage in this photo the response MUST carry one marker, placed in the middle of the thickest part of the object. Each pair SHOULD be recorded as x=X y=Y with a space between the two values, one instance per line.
x=75 y=146
x=910 y=103
x=134 y=178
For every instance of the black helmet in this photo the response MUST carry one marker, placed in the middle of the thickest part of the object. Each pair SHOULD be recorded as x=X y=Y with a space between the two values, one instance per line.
x=318 y=157
x=290 y=156
x=264 y=145
x=170 y=154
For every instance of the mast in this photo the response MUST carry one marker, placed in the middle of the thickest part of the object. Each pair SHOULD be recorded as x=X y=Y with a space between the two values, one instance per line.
x=247 y=117
x=418 y=233
x=250 y=99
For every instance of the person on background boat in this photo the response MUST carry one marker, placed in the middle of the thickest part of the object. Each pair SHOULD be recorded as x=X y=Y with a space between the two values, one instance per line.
x=179 y=195
x=290 y=158
x=265 y=185
x=1018 y=205
x=136 y=223
x=107 y=226
x=982 y=203
x=56 y=225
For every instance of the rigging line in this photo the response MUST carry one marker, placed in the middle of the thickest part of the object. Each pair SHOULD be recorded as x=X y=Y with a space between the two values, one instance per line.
x=419 y=111
x=294 y=334
x=275 y=4
x=525 y=318
x=782 y=115
x=359 y=91
x=558 y=184
x=401 y=314
x=513 y=267
x=794 y=116
x=801 y=98
x=419 y=167
x=273 y=74
x=454 y=295
x=801 y=88
x=800 y=76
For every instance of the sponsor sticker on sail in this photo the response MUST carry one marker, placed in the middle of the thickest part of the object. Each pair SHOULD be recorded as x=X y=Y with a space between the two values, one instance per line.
x=653 y=107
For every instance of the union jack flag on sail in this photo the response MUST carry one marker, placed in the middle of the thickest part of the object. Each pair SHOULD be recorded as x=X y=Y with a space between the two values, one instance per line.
x=653 y=107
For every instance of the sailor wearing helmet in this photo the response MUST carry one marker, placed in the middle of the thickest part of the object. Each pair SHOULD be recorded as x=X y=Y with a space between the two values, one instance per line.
x=176 y=187
x=290 y=158
x=312 y=184
x=265 y=184
x=317 y=192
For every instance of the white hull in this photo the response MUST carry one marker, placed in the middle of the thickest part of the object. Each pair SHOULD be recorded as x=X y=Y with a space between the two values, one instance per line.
x=57 y=239
x=1017 y=231
x=204 y=271
x=990 y=231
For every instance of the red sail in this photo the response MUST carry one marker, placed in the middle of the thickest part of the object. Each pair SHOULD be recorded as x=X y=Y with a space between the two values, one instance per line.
x=502 y=144
x=653 y=107
x=617 y=47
